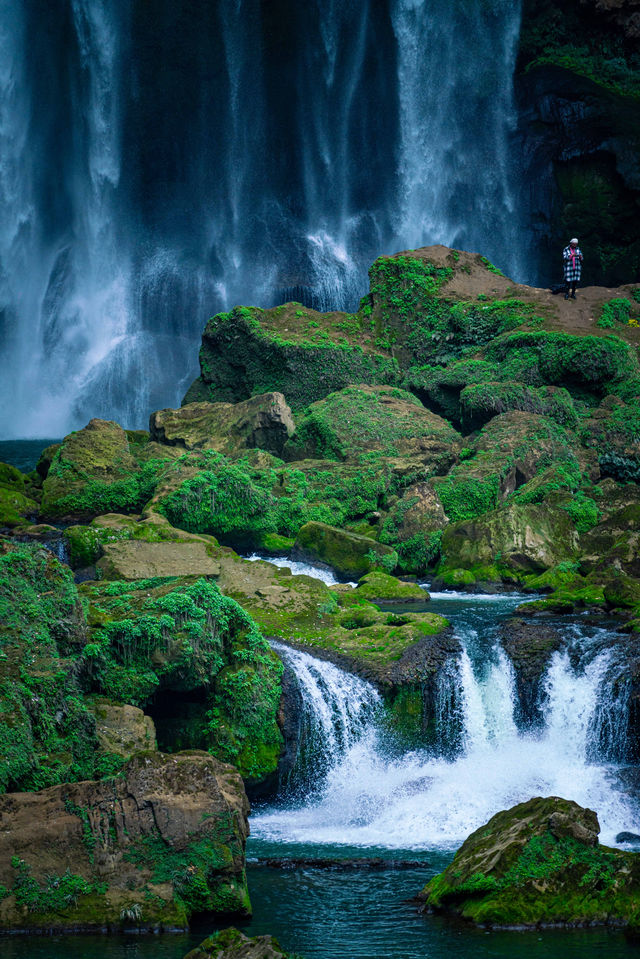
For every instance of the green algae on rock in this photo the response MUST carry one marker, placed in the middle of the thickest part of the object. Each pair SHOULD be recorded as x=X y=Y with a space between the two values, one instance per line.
x=144 y=850
x=539 y=864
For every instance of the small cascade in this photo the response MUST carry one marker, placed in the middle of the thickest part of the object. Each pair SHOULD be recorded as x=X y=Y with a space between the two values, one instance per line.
x=481 y=763
x=337 y=710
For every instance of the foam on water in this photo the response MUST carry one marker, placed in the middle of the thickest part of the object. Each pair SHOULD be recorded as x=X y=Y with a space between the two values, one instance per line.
x=422 y=800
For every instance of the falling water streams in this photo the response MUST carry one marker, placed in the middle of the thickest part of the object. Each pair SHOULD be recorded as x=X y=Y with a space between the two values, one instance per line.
x=300 y=142
x=352 y=795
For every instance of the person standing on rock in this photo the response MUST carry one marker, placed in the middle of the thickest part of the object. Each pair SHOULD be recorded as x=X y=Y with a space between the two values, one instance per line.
x=572 y=257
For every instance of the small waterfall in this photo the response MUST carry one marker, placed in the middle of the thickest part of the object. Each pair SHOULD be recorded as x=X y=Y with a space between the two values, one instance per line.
x=483 y=763
x=337 y=711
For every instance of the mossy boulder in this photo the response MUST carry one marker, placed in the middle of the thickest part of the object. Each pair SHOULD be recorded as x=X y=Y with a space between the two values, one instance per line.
x=413 y=527
x=232 y=944
x=145 y=850
x=136 y=559
x=378 y=587
x=613 y=544
x=121 y=730
x=509 y=542
x=613 y=430
x=349 y=554
x=15 y=508
x=363 y=421
x=539 y=864
x=622 y=592
x=47 y=734
x=482 y=401
x=102 y=468
x=513 y=450
x=261 y=422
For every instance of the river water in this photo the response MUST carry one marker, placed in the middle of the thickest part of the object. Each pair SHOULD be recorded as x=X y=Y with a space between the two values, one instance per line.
x=353 y=796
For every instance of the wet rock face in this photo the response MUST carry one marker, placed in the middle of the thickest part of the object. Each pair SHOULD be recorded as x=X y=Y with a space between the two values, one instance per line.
x=539 y=863
x=350 y=554
x=529 y=646
x=148 y=848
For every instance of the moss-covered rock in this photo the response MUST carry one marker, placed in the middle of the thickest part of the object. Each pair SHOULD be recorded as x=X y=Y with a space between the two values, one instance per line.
x=232 y=944
x=194 y=660
x=348 y=553
x=145 y=850
x=538 y=864
x=413 y=527
x=262 y=422
x=613 y=430
x=378 y=587
x=360 y=421
x=481 y=402
x=121 y=730
x=47 y=734
x=509 y=542
x=99 y=469
x=613 y=544
x=136 y=559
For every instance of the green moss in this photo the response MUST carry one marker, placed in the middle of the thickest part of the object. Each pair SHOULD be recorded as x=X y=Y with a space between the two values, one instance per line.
x=56 y=895
x=154 y=634
x=482 y=401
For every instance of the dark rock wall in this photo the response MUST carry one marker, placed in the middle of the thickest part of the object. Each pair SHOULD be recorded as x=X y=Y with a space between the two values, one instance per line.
x=578 y=88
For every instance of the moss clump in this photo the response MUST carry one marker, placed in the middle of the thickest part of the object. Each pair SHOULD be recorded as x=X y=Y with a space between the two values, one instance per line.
x=380 y=587
x=47 y=735
x=482 y=401
x=150 y=636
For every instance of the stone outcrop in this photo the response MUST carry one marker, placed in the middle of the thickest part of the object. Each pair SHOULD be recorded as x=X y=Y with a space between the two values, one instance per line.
x=145 y=850
x=261 y=422
x=539 y=864
x=350 y=554
x=139 y=560
x=232 y=944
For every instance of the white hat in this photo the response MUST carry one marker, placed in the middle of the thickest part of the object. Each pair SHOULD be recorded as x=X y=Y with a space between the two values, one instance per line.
x=573 y=242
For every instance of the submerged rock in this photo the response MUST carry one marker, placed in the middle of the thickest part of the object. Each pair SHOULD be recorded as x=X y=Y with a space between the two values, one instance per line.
x=147 y=849
x=529 y=646
x=539 y=864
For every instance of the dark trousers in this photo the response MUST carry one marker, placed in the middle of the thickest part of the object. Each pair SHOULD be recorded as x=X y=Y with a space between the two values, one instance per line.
x=570 y=287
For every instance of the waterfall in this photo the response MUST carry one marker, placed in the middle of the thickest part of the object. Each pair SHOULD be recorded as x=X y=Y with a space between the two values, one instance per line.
x=364 y=796
x=457 y=114
x=158 y=167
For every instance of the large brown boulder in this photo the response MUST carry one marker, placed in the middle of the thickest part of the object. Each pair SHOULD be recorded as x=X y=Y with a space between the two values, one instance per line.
x=146 y=849
x=261 y=422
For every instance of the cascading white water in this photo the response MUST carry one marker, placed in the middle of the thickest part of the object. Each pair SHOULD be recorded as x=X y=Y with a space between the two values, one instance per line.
x=423 y=800
x=157 y=168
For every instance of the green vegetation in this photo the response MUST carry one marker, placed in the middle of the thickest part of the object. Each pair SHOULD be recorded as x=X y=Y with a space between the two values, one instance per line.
x=56 y=894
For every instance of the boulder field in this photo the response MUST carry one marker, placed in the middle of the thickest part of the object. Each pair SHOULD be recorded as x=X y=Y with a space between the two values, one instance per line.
x=458 y=428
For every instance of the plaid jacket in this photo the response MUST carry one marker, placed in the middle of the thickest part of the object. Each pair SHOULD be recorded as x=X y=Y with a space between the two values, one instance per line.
x=572 y=273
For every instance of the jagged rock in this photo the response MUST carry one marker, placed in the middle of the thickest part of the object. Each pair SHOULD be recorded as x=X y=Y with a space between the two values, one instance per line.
x=261 y=422
x=539 y=864
x=164 y=839
x=529 y=646
x=348 y=553
x=414 y=526
x=232 y=944
x=136 y=559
